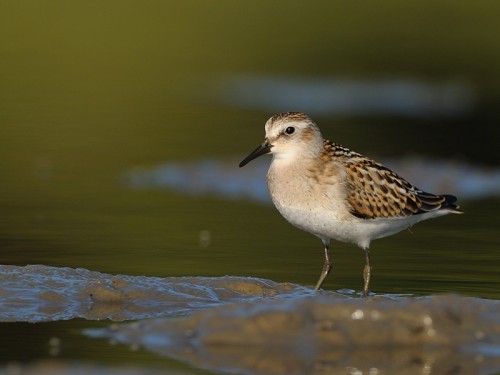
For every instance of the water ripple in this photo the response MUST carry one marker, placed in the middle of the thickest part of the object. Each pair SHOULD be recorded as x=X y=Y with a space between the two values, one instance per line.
x=342 y=96
x=222 y=177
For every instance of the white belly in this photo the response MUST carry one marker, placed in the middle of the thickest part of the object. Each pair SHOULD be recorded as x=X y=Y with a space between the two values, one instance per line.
x=327 y=225
x=322 y=210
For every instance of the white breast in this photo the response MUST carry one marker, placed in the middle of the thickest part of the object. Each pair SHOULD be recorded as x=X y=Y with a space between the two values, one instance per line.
x=320 y=207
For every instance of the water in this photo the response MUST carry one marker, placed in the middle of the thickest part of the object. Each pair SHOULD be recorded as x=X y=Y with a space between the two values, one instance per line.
x=92 y=92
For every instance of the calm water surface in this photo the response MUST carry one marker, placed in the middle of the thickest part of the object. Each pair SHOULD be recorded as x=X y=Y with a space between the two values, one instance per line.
x=91 y=91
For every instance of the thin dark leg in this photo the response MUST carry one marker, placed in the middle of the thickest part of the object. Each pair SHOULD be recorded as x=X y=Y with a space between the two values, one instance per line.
x=367 y=272
x=326 y=267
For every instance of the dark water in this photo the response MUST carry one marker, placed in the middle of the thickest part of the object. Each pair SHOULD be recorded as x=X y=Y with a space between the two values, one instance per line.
x=91 y=92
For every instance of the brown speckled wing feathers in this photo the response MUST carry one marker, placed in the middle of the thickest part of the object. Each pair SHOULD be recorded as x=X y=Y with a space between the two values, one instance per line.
x=374 y=191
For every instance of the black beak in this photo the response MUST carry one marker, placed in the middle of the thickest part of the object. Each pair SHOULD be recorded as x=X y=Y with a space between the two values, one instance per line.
x=264 y=148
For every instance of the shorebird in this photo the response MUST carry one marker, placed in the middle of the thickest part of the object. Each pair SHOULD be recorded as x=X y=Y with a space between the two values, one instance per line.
x=332 y=192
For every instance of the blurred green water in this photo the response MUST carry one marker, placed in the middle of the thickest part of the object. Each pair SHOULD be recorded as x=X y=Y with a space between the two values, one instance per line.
x=90 y=89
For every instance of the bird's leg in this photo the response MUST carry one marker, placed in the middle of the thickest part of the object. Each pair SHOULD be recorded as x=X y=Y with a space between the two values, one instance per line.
x=326 y=267
x=367 y=272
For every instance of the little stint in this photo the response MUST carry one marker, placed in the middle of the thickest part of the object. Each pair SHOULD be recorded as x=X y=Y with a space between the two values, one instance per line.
x=334 y=193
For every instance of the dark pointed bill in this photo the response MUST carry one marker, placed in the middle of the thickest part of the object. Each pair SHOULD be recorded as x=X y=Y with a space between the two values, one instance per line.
x=264 y=148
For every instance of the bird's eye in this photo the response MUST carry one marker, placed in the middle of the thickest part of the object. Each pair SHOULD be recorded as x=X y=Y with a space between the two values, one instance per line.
x=289 y=130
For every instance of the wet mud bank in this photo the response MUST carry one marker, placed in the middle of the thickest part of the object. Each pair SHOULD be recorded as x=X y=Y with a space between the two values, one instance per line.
x=39 y=293
x=327 y=334
x=255 y=326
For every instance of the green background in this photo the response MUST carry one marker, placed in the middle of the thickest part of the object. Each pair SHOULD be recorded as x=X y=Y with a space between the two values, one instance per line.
x=91 y=89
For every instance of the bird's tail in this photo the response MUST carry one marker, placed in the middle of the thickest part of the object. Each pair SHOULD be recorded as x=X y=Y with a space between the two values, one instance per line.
x=431 y=202
x=450 y=203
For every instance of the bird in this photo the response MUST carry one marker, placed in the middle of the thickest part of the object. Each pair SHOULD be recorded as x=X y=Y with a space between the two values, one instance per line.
x=334 y=193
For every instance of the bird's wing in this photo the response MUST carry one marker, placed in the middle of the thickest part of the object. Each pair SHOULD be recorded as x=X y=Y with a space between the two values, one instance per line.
x=374 y=191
